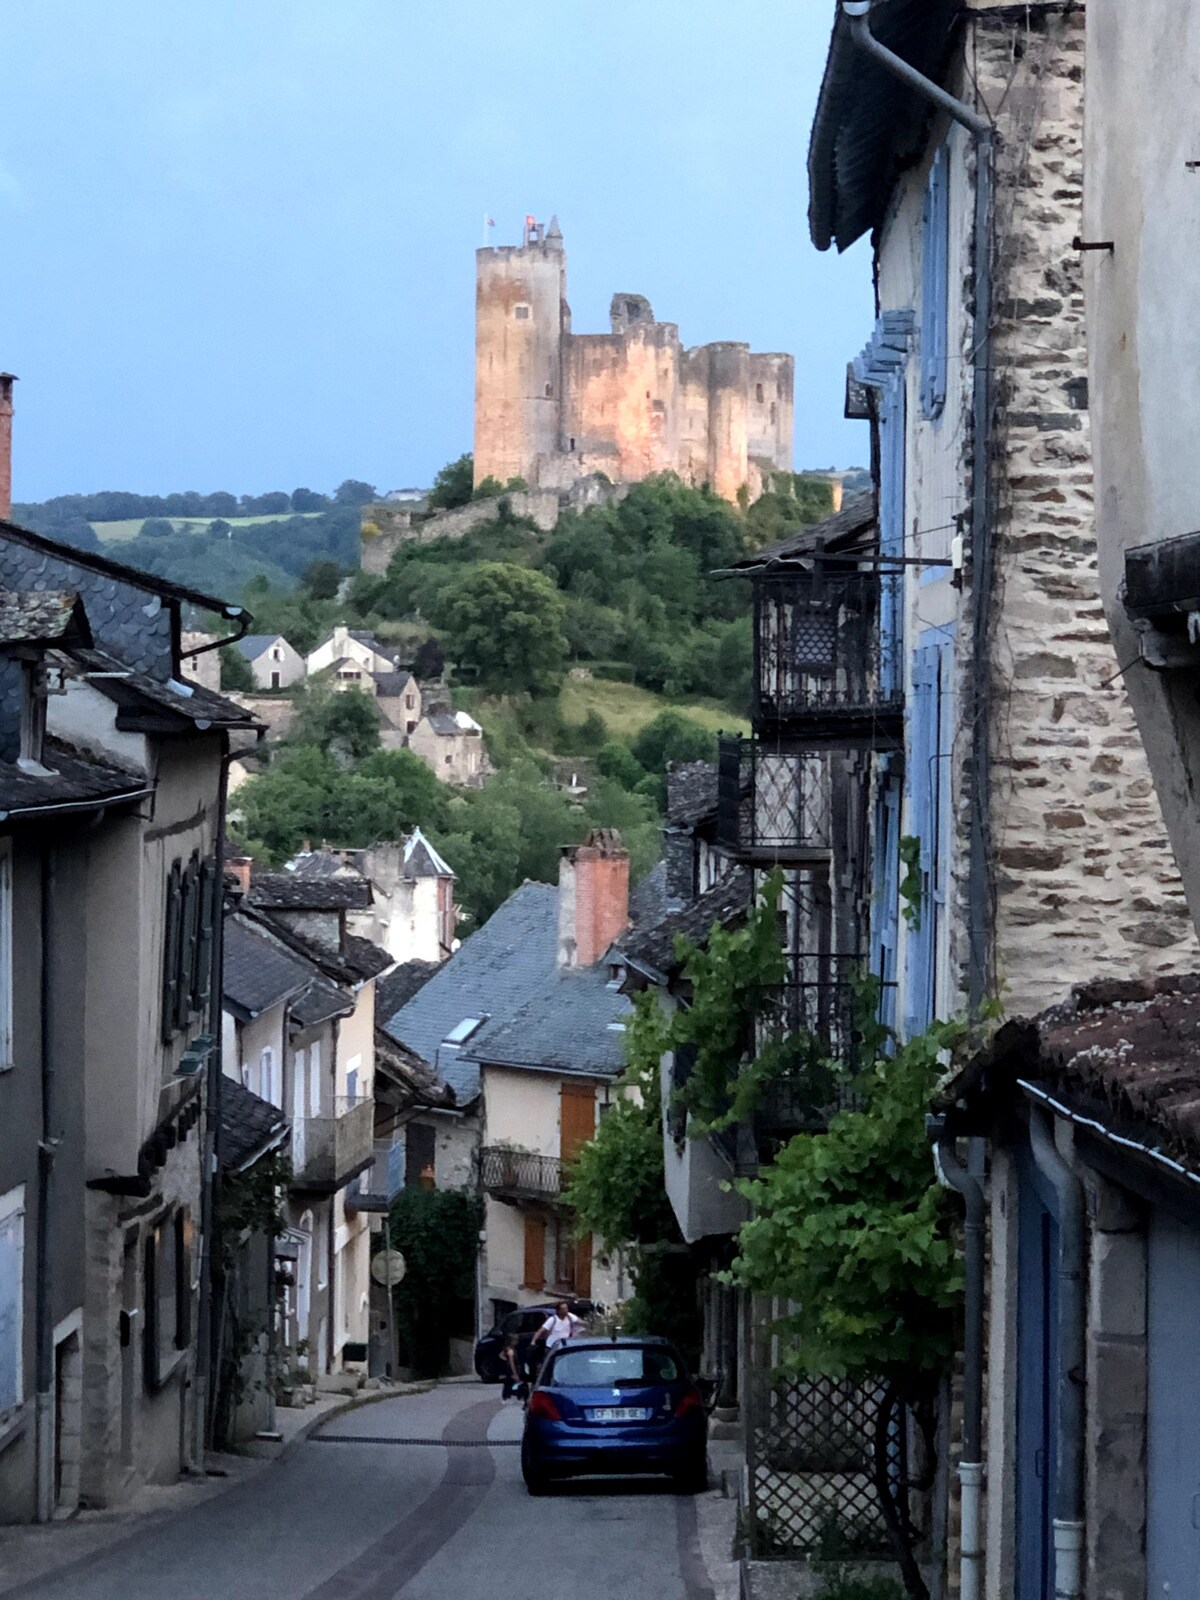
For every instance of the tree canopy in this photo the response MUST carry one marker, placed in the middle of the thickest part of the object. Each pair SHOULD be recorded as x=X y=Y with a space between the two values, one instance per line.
x=506 y=624
x=454 y=484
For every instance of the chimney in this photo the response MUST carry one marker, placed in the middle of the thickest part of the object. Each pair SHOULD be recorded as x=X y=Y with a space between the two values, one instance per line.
x=6 y=415
x=593 y=897
x=239 y=867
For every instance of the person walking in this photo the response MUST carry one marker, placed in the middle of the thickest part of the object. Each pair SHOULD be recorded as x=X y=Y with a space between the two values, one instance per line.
x=562 y=1324
x=514 y=1381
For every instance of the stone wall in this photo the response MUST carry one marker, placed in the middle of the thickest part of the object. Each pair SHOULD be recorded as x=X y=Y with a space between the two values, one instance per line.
x=1085 y=881
x=385 y=528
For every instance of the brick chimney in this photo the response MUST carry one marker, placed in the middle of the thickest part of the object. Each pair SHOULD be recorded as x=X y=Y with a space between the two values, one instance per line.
x=239 y=867
x=593 y=897
x=6 y=418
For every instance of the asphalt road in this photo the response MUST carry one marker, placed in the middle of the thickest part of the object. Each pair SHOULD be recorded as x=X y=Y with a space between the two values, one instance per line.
x=420 y=1497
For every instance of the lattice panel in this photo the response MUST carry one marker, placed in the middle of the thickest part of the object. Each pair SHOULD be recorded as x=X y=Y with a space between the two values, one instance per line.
x=790 y=799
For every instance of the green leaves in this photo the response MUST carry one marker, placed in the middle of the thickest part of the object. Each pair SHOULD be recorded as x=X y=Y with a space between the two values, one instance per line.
x=506 y=623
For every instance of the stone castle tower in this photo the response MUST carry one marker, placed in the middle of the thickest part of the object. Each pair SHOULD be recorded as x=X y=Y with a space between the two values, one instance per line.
x=553 y=406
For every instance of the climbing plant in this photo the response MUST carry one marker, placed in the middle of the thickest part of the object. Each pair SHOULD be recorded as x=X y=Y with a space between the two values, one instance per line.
x=910 y=886
x=438 y=1232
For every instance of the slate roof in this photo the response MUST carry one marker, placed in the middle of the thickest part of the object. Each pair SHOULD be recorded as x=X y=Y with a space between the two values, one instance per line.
x=252 y=645
x=492 y=974
x=410 y=1080
x=297 y=892
x=139 y=696
x=868 y=125
x=573 y=1024
x=257 y=973
x=124 y=605
x=357 y=961
x=691 y=792
x=250 y=1126
x=320 y=1002
x=850 y=528
x=324 y=864
x=48 y=616
x=651 y=899
x=421 y=860
x=1124 y=1053
x=651 y=950
x=391 y=684
x=397 y=987
x=446 y=723
x=75 y=782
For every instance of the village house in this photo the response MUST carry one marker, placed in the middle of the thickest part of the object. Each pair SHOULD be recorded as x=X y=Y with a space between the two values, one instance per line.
x=273 y=662
x=411 y=913
x=351 y=654
x=398 y=701
x=451 y=744
x=201 y=661
x=109 y=1390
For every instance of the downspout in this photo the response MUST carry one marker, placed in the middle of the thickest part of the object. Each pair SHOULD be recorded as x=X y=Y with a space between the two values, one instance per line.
x=1072 y=1358
x=44 y=1418
x=970 y=1468
x=978 y=711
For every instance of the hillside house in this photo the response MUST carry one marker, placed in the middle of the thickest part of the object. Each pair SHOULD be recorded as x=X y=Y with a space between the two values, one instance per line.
x=273 y=662
x=201 y=662
x=451 y=745
x=351 y=654
x=411 y=912
x=398 y=701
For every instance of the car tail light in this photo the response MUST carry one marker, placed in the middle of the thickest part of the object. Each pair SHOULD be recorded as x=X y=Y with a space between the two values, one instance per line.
x=691 y=1401
x=541 y=1405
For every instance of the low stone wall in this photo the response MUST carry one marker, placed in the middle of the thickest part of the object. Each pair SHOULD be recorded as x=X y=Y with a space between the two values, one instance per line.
x=385 y=528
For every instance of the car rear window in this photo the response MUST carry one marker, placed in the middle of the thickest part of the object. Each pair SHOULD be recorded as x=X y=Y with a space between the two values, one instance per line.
x=599 y=1369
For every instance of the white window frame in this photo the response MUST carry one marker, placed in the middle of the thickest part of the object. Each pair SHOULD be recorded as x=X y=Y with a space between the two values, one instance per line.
x=6 y=949
x=266 y=1075
x=12 y=1216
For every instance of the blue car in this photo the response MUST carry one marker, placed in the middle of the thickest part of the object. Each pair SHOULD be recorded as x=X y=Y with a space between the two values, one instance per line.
x=623 y=1406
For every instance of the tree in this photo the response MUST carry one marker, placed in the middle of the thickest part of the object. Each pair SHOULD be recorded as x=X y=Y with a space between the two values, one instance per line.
x=430 y=659
x=322 y=578
x=235 y=670
x=218 y=528
x=506 y=623
x=156 y=528
x=669 y=737
x=309 y=500
x=454 y=484
x=345 y=725
x=438 y=1232
x=354 y=492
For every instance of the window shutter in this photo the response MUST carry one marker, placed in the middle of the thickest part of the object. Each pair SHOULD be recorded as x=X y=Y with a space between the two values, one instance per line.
x=885 y=898
x=925 y=790
x=171 y=942
x=209 y=911
x=935 y=285
x=535 y=1253
x=583 y=1267
x=891 y=527
x=189 y=932
x=12 y=1254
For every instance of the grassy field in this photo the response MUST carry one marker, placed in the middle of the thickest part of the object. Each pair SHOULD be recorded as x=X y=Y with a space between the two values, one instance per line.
x=116 y=532
x=627 y=710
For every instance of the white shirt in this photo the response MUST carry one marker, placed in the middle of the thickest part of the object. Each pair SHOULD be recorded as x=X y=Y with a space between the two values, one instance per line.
x=559 y=1329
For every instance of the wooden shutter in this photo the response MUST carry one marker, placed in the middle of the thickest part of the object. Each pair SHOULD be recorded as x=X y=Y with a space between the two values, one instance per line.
x=892 y=462
x=885 y=897
x=189 y=938
x=210 y=902
x=171 y=940
x=577 y=1117
x=535 y=1252
x=935 y=285
x=926 y=789
x=583 y=1267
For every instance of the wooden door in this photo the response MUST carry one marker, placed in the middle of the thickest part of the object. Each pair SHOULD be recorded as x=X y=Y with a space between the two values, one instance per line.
x=577 y=1117
x=535 y=1252
x=583 y=1267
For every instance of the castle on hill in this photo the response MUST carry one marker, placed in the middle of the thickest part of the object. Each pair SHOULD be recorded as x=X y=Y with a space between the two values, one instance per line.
x=553 y=406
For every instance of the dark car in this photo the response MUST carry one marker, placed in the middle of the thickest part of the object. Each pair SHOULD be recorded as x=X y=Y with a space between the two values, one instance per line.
x=625 y=1406
x=524 y=1322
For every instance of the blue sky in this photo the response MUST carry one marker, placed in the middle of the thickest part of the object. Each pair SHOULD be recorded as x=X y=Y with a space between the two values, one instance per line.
x=239 y=236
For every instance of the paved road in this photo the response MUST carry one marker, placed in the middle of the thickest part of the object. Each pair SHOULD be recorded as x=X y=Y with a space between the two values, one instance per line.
x=352 y=1515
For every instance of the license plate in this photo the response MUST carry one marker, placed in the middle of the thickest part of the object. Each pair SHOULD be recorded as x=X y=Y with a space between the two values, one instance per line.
x=618 y=1414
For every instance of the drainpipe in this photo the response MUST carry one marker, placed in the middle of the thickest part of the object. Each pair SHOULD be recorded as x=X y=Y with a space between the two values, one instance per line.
x=966 y=1180
x=978 y=710
x=1072 y=1359
x=44 y=1420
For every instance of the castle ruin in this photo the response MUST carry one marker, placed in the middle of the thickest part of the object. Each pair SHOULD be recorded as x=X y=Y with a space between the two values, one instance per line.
x=553 y=406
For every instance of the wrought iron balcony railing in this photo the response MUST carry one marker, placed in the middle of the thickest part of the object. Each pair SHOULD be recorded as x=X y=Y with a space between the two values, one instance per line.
x=774 y=805
x=827 y=656
x=520 y=1174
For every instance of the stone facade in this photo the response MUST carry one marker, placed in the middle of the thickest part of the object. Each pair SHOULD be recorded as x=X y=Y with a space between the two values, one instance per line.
x=553 y=406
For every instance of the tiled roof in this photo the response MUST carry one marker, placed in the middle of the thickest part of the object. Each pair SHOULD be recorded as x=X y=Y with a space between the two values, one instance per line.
x=650 y=900
x=250 y=1126
x=47 y=616
x=691 y=791
x=324 y=864
x=490 y=976
x=73 y=781
x=138 y=695
x=421 y=860
x=412 y=1080
x=320 y=1002
x=258 y=974
x=396 y=988
x=652 y=949
x=447 y=723
x=391 y=684
x=357 y=961
x=574 y=1023
x=252 y=645
x=297 y=892
x=848 y=529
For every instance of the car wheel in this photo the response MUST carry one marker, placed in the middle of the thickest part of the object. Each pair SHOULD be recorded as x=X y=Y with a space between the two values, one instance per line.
x=487 y=1372
x=693 y=1479
x=536 y=1480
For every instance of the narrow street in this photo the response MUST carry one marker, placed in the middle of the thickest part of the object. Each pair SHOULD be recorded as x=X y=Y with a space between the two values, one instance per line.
x=420 y=1497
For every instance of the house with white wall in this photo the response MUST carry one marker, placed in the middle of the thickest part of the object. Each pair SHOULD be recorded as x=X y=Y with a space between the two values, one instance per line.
x=355 y=653
x=411 y=911
x=273 y=662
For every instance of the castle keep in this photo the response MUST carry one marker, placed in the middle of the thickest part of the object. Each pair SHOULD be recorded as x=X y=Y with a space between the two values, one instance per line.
x=552 y=406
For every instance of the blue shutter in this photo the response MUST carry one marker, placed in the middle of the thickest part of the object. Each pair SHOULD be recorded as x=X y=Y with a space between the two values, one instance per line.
x=922 y=822
x=885 y=897
x=935 y=285
x=12 y=1253
x=891 y=527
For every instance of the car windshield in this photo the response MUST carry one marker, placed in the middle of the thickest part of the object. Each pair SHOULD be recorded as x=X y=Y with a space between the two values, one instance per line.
x=614 y=1366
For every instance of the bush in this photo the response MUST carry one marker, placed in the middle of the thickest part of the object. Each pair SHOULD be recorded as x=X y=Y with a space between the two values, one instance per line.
x=437 y=1230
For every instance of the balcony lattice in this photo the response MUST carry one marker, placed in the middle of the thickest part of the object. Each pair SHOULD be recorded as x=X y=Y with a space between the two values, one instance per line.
x=773 y=805
x=520 y=1174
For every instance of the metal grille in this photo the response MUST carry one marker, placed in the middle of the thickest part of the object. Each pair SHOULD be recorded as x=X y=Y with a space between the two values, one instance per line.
x=810 y=1460
x=773 y=803
x=820 y=645
x=520 y=1172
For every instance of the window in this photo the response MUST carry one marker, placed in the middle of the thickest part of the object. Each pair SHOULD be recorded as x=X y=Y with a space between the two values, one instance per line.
x=549 y=391
x=571 y=443
x=774 y=412
x=758 y=393
x=12 y=1294
x=268 y=1081
x=420 y=1155
x=353 y=1068
x=193 y=895
x=604 y=1368
x=6 y=924
x=521 y=313
x=935 y=285
x=276 y=654
x=167 y=1295
x=409 y=702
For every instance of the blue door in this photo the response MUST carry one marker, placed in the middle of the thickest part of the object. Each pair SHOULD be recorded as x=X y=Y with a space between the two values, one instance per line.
x=1037 y=1385
x=1173 y=1411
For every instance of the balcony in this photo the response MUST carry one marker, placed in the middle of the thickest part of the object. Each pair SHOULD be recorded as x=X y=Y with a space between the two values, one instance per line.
x=328 y=1151
x=381 y=1182
x=520 y=1174
x=827 y=657
x=774 y=805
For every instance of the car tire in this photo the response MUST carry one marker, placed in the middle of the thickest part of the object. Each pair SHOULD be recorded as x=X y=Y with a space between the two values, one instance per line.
x=693 y=1479
x=487 y=1372
x=536 y=1480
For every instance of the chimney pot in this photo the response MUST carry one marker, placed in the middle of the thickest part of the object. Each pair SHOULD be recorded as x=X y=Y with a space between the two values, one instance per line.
x=240 y=867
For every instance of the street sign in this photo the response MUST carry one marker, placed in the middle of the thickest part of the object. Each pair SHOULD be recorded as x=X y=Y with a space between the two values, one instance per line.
x=388 y=1266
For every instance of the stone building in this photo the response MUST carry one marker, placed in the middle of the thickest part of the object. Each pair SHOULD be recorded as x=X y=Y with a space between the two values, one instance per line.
x=553 y=406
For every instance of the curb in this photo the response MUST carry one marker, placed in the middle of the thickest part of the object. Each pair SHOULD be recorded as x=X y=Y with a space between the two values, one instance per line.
x=354 y=1402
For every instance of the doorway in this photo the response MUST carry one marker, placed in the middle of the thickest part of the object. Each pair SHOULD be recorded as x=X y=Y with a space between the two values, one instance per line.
x=1037 y=1384
x=1173 y=1404
x=128 y=1331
